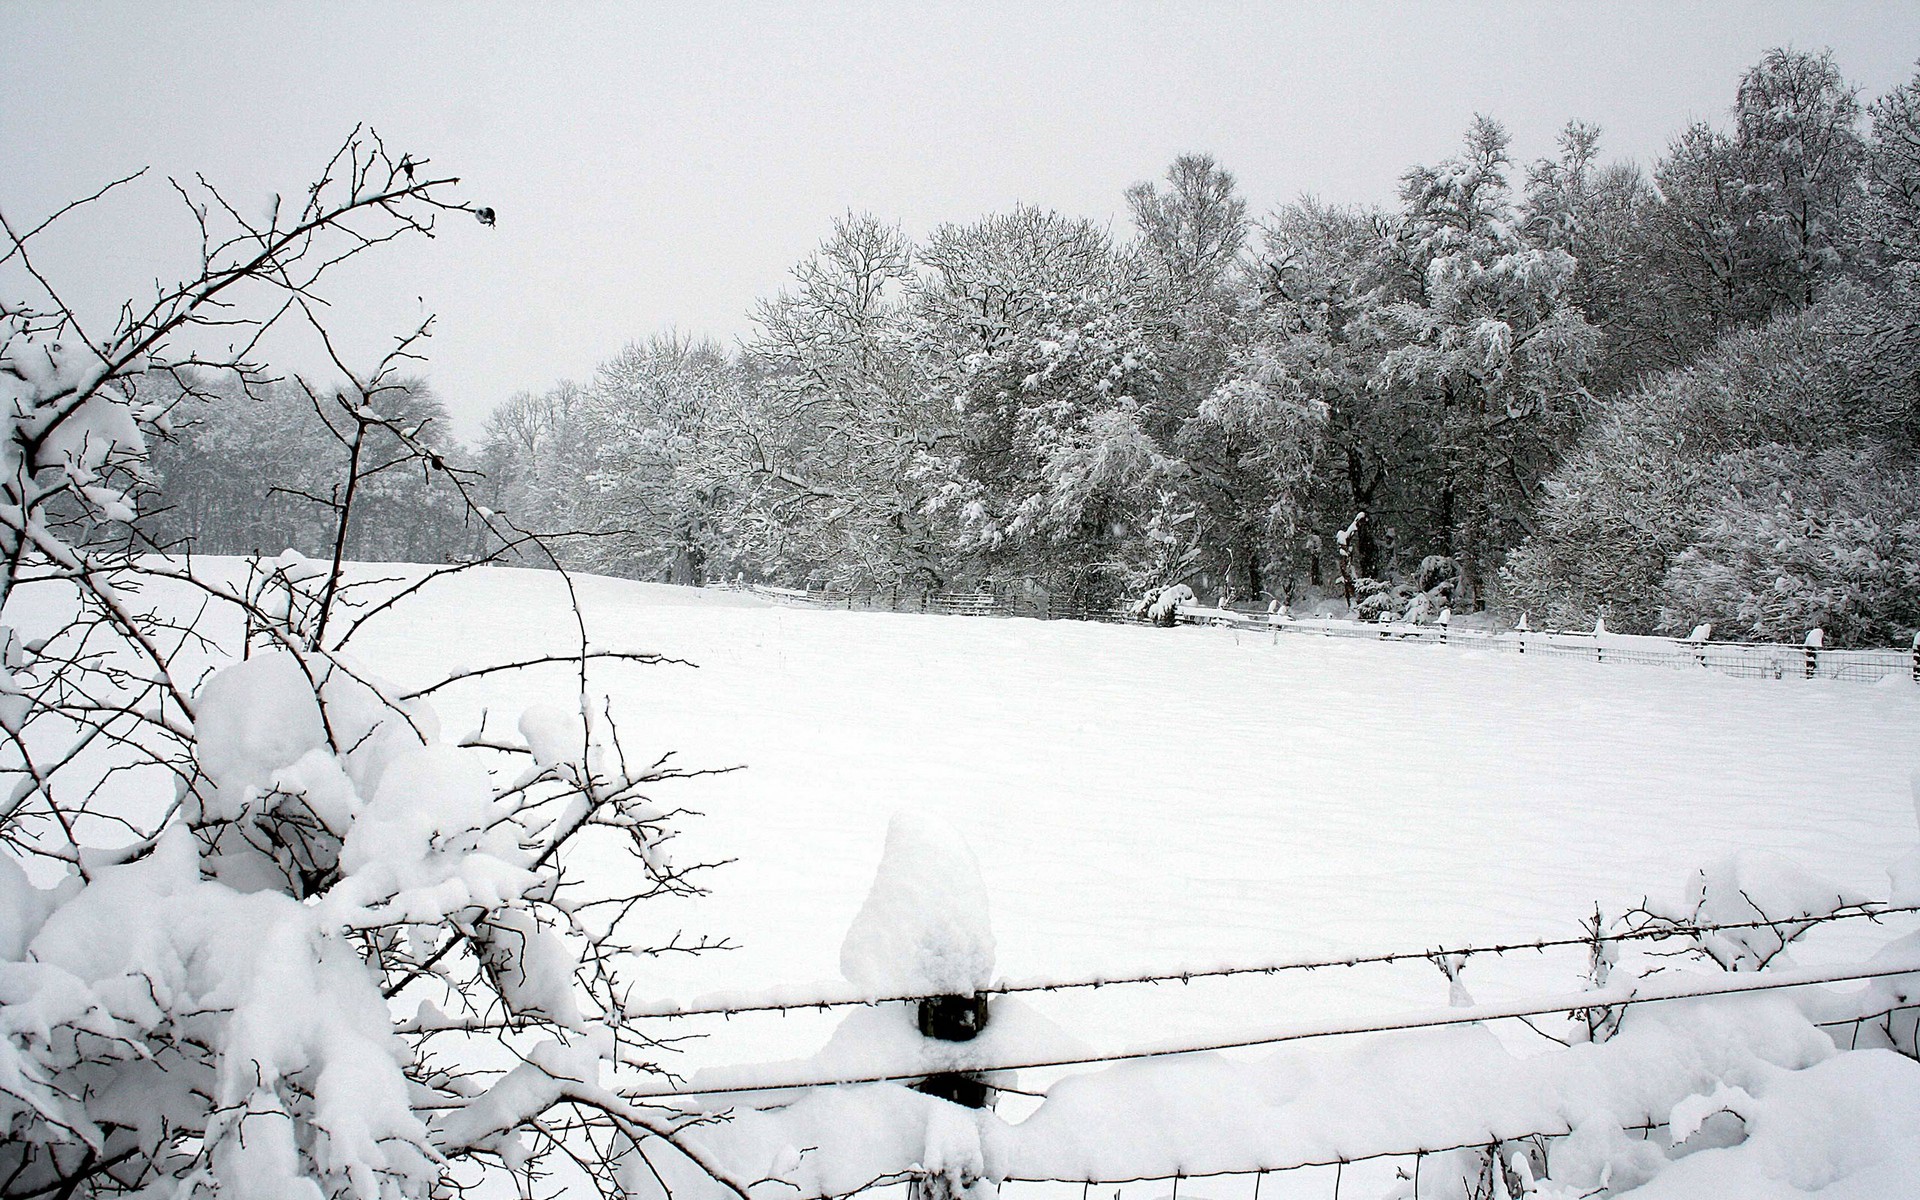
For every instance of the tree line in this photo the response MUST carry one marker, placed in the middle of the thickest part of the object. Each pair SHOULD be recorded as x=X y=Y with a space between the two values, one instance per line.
x=1664 y=395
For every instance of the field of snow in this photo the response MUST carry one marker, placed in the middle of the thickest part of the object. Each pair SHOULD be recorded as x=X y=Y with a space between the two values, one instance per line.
x=1143 y=799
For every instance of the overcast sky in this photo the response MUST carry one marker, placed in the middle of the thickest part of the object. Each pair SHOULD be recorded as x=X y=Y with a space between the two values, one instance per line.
x=661 y=167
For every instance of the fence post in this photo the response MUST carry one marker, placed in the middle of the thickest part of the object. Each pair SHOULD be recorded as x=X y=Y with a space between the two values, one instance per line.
x=1699 y=637
x=954 y=1019
x=1916 y=656
x=1521 y=629
x=925 y=931
x=1445 y=620
x=1811 y=647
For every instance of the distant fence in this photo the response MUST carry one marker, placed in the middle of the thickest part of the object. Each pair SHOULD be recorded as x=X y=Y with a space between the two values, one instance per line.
x=1750 y=660
x=974 y=603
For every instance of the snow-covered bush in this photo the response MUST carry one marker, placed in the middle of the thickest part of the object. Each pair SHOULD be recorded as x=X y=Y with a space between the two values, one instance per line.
x=1828 y=539
x=1696 y=495
x=1161 y=606
x=264 y=931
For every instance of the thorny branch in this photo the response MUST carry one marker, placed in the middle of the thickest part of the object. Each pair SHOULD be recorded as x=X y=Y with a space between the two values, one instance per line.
x=102 y=705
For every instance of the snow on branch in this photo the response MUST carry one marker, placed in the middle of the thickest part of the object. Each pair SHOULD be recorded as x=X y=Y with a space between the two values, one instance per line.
x=231 y=853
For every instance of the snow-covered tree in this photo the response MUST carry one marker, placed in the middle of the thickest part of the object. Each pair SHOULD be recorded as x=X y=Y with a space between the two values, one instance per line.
x=662 y=419
x=1599 y=213
x=1491 y=343
x=243 y=473
x=1893 y=172
x=1044 y=363
x=1238 y=429
x=1326 y=273
x=1797 y=121
x=843 y=419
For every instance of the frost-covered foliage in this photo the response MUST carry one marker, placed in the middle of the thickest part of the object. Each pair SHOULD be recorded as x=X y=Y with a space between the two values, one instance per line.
x=251 y=471
x=1828 y=539
x=1027 y=396
x=1733 y=491
x=264 y=930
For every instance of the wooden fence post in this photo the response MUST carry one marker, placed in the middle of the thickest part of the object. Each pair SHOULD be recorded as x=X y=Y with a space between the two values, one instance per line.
x=954 y=1019
x=1916 y=657
x=1811 y=647
x=1698 y=639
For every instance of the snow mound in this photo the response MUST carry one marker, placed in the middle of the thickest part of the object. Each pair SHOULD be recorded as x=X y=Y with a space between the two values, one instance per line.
x=924 y=929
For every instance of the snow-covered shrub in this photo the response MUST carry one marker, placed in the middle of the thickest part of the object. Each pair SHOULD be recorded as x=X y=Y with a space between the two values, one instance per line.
x=1438 y=573
x=1687 y=498
x=1829 y=539
x=264 y=931
x=1378 y=605
x=1773 y=899
x=1162 y=605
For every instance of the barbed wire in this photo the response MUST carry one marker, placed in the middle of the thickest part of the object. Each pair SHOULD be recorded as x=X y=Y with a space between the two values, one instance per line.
x=1647 y=990
x=1338 y=1161
x=826 y=1000
x=1491 y=1140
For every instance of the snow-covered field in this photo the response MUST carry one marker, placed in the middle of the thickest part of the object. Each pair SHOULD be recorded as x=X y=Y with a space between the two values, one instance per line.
x=1142 y=799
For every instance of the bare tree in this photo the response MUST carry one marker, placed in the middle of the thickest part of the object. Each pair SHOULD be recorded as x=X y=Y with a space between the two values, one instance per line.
x=263 y=931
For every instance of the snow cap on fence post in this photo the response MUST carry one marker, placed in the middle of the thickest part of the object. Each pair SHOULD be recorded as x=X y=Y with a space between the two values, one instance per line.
x=1701 y=635
x=925 y=931
x=1816 y=638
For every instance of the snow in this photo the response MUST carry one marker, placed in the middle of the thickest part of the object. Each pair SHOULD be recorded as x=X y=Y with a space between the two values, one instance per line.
x=924 y=928
x=256 y=717
x=1756 y=886
x=1149 y=798
x=151 y=947
x=22 y=908
x=1846 y=1129
x=1121 y=798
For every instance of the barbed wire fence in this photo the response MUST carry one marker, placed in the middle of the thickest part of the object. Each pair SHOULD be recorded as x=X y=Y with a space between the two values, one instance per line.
x=1496 y=1173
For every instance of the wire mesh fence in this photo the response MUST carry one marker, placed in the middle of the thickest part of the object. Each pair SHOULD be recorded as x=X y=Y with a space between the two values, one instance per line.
x=1746 y=660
